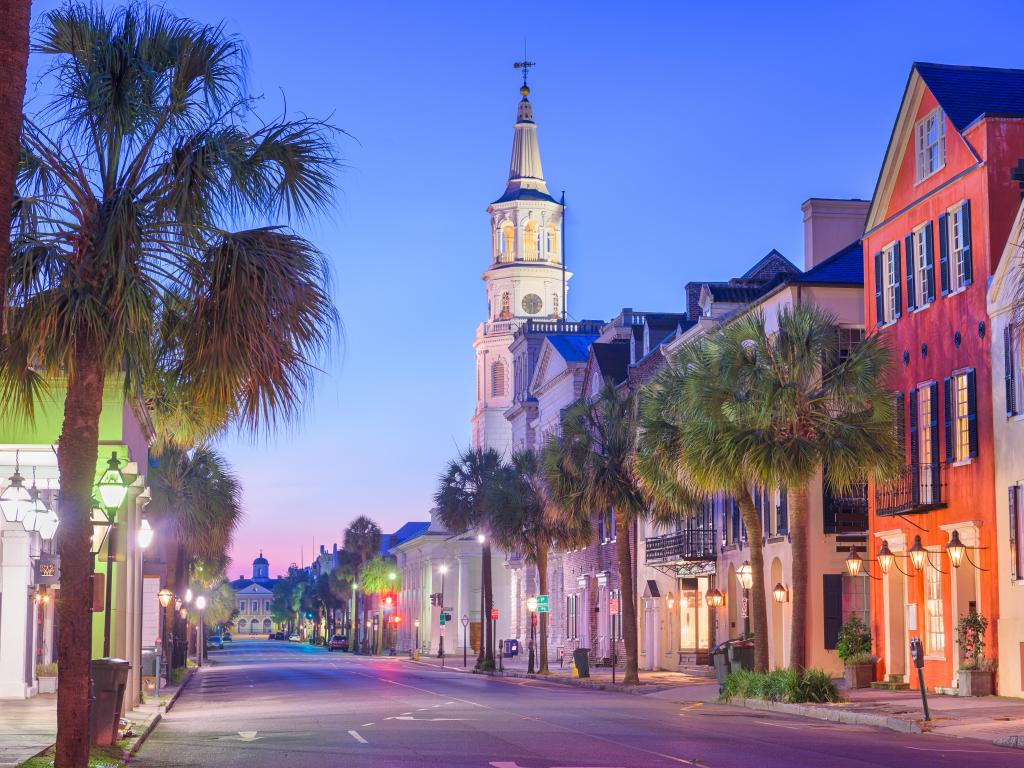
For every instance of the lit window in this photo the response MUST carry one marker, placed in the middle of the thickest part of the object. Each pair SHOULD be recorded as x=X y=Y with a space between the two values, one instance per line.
x=926 y=457
x=936 y=633
x=931 y=144
x=961 y=420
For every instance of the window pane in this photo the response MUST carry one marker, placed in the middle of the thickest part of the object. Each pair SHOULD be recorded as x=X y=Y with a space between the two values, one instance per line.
x=936 y=634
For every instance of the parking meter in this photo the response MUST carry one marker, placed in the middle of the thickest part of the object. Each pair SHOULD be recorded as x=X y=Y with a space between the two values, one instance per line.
x=917 y=654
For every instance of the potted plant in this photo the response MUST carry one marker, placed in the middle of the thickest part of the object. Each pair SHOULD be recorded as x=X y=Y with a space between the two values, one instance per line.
x=47 y=676
x=974 y=676
x=854 y=648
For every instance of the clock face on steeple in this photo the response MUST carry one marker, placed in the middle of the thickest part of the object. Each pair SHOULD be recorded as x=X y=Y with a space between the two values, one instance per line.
x=532 y=303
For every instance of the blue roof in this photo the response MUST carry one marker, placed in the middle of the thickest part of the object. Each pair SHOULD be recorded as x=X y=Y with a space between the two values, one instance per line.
x=403 y=534
x=525 y=194
x=573 y=349
x=967 y=93
x=845 y=267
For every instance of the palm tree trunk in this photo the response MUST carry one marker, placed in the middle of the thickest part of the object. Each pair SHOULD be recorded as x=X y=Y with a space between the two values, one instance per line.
x=488 y=603
x=77 y=453
x=798 y=537
x=758 y=606
x=542 y=618
x=627 y=601
x=13 y=63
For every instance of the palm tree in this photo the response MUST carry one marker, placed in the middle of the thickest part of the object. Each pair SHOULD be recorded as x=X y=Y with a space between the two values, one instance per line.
x=694 y=441
x=14 y=44
x=380 y=578
x=122 y=230
x=813 y=409
x=590 y=469
x=361 y=541
x=196 y=507
x=522 y=521
x=464 y=502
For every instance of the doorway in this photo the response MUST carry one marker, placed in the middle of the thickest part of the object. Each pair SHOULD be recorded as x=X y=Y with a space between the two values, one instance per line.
x=694 y=621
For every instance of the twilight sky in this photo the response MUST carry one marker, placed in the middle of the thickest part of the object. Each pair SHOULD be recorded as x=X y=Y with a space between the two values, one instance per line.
x=685 y=135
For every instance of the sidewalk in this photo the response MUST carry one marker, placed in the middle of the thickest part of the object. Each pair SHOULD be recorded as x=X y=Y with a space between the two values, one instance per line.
x=29 y=726
x=990 y=719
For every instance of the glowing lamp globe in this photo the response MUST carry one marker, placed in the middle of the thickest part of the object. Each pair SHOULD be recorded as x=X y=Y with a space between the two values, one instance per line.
x=46 y=524
x=15 y=501
x=885 y=557
x=955 y=549
x=165 y=596
x=745 y=575
x=780 y=593
x=918 y=553
x=714 y=598
x=531 y=604
x=145 y=534
x=200 y=603
x=854 y=563
x=112 y=485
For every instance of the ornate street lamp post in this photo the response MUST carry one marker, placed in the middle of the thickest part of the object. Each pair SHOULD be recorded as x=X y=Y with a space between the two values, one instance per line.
x=531 y=606
x=745 y=576
x=112 y=488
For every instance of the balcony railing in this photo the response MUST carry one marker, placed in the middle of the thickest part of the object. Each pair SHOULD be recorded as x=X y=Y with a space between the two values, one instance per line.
x=846 y=512
x=690 y=544
x=919 y=488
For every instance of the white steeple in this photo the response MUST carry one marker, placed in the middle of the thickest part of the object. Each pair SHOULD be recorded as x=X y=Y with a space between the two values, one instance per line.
x=525 y=279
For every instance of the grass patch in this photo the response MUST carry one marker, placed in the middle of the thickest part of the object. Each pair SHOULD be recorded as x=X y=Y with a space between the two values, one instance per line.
x=786 y=685
x=99 y=757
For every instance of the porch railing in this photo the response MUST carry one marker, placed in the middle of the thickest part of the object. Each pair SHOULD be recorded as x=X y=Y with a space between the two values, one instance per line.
x=919 y=488
x=689 y=544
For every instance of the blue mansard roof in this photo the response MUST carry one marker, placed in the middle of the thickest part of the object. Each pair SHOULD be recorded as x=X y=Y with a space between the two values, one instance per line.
x=967 y=93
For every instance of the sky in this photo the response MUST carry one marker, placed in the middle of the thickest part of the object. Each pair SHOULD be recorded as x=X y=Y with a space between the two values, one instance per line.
x=685 y=135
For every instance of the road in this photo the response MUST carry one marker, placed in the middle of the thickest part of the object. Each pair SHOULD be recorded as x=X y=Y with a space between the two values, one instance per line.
x=265 y=703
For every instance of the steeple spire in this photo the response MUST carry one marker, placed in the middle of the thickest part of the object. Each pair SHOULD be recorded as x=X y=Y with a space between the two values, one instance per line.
x=525 y=174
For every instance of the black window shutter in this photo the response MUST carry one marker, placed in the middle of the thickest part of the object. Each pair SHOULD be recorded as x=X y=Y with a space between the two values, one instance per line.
x=965 y=212
x=901 y=423
x=911 y=293
x=1010 y=373
x=929 y=262
x=947 y=413
x=912 y=403
x=783 y=526
x=832 y=603
x=899 y=287
x=933 y=393
x=972 y=414
x=879 y=304
x=944 y=253
x=828 y=504
x=1013 y=533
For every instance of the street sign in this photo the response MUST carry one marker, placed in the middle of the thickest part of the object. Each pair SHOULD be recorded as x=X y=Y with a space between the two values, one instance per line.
x=543 y=604
x=494 y=614
x=613 y=606
x=465 y=621
x=441 y=618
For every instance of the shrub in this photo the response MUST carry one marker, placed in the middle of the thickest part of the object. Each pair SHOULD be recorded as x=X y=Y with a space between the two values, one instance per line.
x=970 y=637
x=46 y=670
x=787 y=685
x=854 y=645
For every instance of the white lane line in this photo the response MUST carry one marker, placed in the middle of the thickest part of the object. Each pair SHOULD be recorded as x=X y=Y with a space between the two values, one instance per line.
x=355 y=735
x=366 y=725
x=969 y=751
x=778 y=725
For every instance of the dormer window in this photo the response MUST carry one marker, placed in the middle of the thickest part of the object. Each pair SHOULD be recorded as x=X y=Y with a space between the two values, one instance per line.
x=930 y=138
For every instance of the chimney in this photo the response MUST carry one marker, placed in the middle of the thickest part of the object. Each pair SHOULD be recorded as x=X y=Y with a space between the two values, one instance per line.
x=830 y=225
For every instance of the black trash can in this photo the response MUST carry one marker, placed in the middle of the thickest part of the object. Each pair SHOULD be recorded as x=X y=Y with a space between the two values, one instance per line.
x=109 y=680
x=581 y=658
x=511 y=648
x=720 y=658
x=741 y=655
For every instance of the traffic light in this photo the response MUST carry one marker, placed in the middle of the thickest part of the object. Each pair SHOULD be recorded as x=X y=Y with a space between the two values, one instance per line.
x=397 y=619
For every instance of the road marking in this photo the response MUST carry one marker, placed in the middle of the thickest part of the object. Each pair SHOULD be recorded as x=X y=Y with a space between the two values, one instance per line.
x=430 y=719
x=514 y=764
x=355 y=735
x=778 y=725
x=248 y=735
x=694 y=706
x=366 y=725
x=969 y=751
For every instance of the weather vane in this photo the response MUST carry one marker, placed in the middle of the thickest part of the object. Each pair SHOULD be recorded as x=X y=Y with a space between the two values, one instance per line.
x=524 y=65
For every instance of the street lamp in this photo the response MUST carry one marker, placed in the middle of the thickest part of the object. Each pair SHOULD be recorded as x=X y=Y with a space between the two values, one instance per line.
x=956 y=549
x=145 y=534
x=100 y=529
x=15 y=500
x=201 y=644
x=854 y=563
x=188 y=595
x=165 y=596
x=780 y=593
x=918 y=553
x=885 y=557
x=531 y=606
x=714 y=598
x=481 y=538
x=113 y=486
x=745 y=575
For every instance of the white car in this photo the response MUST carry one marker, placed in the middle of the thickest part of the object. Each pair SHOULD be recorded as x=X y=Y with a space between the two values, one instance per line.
x=293 y=638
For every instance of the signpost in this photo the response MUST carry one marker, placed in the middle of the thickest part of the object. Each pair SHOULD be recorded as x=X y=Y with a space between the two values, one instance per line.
x=465 y=637
x=543 y=604
x=613 y=609
x=494 y=630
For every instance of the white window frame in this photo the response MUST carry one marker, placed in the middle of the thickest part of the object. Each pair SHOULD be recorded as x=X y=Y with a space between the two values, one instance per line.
x=890 y=280
x=924 y=442
x=930 y=144
x=934 y=612
x=961 y=413
x=1017 y=361
x=920 y=256
x=955 y=248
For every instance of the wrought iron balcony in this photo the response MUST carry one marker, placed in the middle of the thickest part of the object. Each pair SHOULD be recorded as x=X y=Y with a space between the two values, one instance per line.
x=846 y=511
x=919 y=488
x=689 y=544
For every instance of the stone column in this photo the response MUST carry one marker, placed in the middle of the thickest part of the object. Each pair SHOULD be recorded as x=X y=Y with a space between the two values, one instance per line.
x=15 y=647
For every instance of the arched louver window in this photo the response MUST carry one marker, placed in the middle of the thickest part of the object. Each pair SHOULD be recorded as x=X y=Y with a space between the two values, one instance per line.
x=498 y=379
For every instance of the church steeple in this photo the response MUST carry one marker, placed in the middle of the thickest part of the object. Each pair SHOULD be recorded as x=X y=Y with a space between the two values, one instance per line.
x=525 y=175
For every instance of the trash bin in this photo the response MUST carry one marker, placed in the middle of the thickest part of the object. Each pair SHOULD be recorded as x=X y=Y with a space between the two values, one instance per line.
x=511 y=648
x=150 y=671
x=109 y=680
x=741 y=655
x=581 y=658
x=720 y=658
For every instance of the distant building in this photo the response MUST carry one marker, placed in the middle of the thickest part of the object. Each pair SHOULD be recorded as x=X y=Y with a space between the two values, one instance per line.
x=253 y=597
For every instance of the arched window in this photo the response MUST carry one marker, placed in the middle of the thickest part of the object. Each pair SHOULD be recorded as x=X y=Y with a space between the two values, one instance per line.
x=506 y=241
x=551 y=243
x=242 y=623
x=498 y=378
x=266 y=625
x=506 y=306
x=531 y=240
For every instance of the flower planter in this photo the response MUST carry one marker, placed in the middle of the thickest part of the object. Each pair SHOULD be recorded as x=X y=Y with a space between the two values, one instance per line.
x=859 y=675
x=975 y=682
x=47 y=684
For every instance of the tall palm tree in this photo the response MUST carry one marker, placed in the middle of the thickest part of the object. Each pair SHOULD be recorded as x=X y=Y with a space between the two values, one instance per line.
x=361 y=541
x=522 y=520
x=14 y=44
x=590 y=468
x=694 y=441
x=131 y=179
x=816 y=409
x=196 y=507
x=464 y=499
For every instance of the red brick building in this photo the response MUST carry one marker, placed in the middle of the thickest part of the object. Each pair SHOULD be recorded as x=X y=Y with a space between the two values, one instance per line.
x=941 y=211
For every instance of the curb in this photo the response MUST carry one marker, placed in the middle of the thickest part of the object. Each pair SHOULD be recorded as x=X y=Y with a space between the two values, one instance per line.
x=1014 y=742
x=846 y=716
x=151 y=725
x=189 y=674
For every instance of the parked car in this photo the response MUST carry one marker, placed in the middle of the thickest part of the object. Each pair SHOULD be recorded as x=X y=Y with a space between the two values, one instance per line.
x=226 y=636
x=293 y=638
x=338 y=643
x=215 y=641
x=279 y=636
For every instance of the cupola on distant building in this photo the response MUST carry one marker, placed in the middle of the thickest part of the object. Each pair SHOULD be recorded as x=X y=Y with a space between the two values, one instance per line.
x=253 y=598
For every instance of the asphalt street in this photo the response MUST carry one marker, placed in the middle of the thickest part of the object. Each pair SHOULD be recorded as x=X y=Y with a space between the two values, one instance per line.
x=265 y=703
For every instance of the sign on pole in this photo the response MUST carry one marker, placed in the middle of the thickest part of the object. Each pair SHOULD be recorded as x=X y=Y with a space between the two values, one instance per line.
x=613 y=606
x=441 y=618
x=494 y=614
x=543 y=604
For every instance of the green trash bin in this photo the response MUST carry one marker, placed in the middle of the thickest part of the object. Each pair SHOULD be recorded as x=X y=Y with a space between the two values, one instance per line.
x=109 y=680
x=581 y=658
